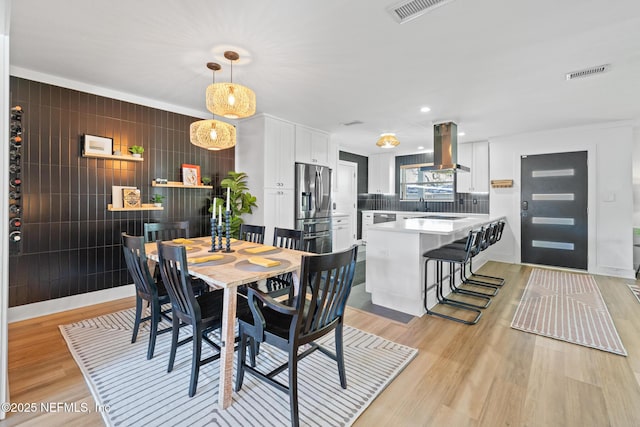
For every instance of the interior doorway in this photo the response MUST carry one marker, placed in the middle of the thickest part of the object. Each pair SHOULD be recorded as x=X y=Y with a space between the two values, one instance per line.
x=346 y=196
x=553 y=209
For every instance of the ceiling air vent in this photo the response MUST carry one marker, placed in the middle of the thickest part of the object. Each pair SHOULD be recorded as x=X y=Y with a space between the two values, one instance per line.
x=588 y=72
x=407 y=10
x=355 y=122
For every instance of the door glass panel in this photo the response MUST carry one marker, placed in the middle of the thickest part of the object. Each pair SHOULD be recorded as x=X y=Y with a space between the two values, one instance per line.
x=552 y=245
x=553 y=197
x=552 y=173
x=552 y=221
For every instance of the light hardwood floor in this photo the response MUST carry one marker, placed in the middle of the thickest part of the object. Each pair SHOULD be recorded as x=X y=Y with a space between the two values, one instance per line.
x=482 y=375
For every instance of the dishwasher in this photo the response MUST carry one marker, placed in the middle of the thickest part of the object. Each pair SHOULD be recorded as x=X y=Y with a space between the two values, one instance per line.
x=379 y=217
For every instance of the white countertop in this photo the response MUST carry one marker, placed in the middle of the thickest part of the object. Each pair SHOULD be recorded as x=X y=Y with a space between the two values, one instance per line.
x=434 y=226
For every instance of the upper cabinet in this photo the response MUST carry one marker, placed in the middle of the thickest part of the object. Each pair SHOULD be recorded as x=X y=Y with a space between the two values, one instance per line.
x=382 y=173
x=312 y=146
x=475 y=155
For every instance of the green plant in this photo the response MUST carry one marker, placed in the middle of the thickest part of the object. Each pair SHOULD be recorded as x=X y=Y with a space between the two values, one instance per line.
x=157 y=198
x=136 y=149
x=206 y=180
x=241 y=200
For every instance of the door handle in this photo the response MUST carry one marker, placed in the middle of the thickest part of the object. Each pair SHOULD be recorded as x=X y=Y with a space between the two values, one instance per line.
x=525 y=205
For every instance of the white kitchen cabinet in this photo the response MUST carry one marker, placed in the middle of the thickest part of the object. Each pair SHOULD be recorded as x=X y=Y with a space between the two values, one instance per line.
x=474 y=155
x=312 y=146
x=265 y=151
x=382 y=173
x=334 y=155
x=341 y=233
x=278 y=211
x=367 y=220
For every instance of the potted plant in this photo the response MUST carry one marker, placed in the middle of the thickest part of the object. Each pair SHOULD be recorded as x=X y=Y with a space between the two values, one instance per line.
x=136 y=150
x=240 y=199
x=157 y=199
x=206 y=180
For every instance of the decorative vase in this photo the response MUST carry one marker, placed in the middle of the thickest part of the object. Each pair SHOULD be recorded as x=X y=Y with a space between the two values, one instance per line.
x=157 y=205
x=138 y=155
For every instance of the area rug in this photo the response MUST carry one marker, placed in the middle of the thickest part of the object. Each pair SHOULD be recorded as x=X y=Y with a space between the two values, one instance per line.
x=567 y=307
x=635 y=289
x=138 y=391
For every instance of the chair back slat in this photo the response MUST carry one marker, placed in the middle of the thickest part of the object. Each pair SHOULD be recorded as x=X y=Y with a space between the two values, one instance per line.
x=175 y=276
x=325 y=286
x=287 y=238
x=252 y=233
x=137 y=265
x=154 y=231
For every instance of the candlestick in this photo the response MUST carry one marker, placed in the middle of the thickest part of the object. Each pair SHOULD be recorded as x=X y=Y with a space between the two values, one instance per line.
x=228 y=198
x=227 y=216
x=220 y=215
x=213 y=235
x=219 y=236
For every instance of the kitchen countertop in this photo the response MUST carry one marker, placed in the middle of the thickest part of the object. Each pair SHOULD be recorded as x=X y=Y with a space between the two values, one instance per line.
x=435 y=226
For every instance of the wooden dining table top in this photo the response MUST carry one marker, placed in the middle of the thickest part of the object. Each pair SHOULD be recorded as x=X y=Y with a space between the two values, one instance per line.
x=234 y=268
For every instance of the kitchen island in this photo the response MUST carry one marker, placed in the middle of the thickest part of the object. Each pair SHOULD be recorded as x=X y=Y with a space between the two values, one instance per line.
x=395 y=266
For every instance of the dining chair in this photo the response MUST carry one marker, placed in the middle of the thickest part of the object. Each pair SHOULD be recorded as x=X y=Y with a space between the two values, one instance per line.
x=252 y=233
x=317 y=309
x=147 y=289
x=202 y=312
x=154 y=231
x=289 y=239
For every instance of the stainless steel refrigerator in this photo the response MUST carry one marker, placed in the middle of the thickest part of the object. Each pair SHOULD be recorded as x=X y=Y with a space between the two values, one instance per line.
x=313 y=206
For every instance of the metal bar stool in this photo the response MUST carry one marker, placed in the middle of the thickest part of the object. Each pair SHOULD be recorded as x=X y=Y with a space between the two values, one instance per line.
x=452 y=256
x=494 y=236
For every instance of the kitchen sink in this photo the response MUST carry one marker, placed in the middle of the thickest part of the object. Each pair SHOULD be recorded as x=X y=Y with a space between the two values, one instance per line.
x=447 y=218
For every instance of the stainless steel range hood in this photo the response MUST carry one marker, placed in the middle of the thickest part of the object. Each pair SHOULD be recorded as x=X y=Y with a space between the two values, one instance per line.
x=445 y=148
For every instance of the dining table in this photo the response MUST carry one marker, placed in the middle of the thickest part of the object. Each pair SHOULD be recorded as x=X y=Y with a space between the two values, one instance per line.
x=247 y=262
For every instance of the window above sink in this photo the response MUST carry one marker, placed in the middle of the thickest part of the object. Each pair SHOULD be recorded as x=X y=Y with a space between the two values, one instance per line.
x=417 y=183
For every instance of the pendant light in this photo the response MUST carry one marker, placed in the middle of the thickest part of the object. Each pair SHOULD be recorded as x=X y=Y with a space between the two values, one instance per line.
x=388 y=140
x=231 y=100
x=212 y=134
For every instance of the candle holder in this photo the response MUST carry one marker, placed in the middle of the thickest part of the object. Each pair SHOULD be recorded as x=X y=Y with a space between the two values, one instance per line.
x=227 y=218
x=219 y=237
x=213 y=235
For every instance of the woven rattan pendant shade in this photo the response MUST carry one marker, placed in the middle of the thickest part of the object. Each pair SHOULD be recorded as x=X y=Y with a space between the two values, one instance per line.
x=212 y=134
x=231 y=100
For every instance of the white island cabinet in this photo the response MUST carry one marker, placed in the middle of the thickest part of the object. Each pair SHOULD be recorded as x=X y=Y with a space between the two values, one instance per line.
x=395 y=266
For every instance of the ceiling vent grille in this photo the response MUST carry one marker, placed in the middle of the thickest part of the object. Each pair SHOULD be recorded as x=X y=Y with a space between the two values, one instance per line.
x=588 y=72
x=407 y=10
x=355 y=122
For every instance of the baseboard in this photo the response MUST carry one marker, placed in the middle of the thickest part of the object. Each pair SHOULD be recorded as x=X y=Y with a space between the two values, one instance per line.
x=28 y=311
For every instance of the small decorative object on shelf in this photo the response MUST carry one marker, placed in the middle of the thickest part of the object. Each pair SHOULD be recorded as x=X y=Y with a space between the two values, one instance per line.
x=98 y=145
x=131 y=198
x=206 y=180
x=161 y=180
x=136 y=150
x=190 y=174
x=157 y=199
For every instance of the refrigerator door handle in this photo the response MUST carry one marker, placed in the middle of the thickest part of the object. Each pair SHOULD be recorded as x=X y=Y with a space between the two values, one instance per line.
x=318 y=182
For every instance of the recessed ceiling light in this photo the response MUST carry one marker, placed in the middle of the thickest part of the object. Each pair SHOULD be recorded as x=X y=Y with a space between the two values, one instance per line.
x=425 y=109
x=461 y=133
x=421 y=148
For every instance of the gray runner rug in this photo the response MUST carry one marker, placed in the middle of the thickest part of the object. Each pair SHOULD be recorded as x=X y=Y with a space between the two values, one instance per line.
x=140 y=392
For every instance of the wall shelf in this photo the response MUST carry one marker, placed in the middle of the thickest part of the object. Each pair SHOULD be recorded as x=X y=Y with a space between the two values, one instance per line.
x=113 y=157
x=145 y=207
x=177 y=184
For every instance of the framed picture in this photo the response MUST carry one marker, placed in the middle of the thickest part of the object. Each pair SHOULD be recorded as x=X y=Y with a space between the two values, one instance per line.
x=190 y=174
x=98 y=145
x=131 y=198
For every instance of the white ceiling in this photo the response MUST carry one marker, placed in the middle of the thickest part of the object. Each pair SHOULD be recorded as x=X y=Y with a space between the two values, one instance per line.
x=495 y=67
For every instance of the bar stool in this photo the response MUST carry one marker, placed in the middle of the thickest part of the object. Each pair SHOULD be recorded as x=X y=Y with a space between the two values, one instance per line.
x=452 y=256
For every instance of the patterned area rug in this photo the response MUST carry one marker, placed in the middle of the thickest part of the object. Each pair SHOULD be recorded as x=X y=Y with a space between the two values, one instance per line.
x=635 y=289
x=141 y=392
x=567 y=307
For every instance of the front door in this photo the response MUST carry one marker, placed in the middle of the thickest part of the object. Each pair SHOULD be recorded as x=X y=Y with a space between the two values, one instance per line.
x=554 y=209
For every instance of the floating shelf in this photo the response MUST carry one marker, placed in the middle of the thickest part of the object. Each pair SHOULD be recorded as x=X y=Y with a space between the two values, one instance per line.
x=177 y=184
x=501 y=183
x=113 y=157
x=145 y=207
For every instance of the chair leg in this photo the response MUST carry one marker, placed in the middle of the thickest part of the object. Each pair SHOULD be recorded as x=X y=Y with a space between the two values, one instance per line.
x=242 y=355
x=174 y=341
x=136 y=323
x=340 y=355
x=155 y=320
x=293 y=386
x=195 y=359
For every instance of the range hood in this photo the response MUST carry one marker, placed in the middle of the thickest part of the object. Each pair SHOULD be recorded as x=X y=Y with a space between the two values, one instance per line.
x=445 y=149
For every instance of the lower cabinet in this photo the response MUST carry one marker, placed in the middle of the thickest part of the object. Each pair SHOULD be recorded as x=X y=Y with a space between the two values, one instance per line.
x=341 y=233
x=278 y=211
x=367 y=220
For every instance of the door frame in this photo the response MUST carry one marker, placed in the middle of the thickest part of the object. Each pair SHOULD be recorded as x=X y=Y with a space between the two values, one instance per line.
x=352 y=212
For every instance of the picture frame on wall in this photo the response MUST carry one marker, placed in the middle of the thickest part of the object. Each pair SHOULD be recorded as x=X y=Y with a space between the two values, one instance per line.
x=100 y=145
x=190 y=174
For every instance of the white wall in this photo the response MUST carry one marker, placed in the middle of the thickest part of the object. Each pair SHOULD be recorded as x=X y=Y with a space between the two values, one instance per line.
x=609 y=147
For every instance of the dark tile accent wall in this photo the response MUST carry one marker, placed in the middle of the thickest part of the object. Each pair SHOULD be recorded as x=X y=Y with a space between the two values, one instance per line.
x=70 y=242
